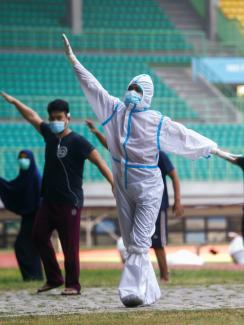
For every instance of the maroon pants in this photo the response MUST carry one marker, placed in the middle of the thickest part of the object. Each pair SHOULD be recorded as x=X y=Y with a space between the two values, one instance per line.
x=64 y=218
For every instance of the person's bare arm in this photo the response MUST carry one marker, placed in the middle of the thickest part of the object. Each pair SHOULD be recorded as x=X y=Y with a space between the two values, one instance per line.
x=97 y=133
x=31 y=116
x=178 y=209
x=96 y=159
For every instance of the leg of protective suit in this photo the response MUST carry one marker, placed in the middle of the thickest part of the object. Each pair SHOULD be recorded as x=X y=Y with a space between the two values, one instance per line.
x=138 y=210
x=138 y=278
x=126 y=210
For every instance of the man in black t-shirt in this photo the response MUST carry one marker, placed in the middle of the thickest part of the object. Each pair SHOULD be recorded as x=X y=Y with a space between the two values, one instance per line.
x=66 y=152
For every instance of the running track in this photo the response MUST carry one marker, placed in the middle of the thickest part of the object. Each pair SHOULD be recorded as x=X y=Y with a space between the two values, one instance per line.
x=109 y=258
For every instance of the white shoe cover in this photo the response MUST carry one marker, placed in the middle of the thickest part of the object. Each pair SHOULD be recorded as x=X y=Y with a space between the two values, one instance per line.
x=139 y=279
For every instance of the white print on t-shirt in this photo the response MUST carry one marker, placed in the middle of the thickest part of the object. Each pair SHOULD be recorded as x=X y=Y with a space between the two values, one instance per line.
x=73 y=212
x=62 y=152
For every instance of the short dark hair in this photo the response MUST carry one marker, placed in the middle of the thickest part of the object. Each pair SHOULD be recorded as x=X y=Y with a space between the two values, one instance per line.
x=58 y=105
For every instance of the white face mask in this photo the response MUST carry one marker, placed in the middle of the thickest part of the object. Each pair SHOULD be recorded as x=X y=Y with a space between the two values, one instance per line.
x=57 y=126
x=24 y=163
x=132 y=97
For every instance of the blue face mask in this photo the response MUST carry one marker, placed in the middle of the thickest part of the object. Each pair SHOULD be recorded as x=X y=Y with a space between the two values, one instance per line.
x=132 y=97
x=57 y=126
x=24 y=163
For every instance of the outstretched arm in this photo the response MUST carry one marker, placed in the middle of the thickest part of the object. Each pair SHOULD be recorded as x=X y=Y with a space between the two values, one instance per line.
x=102 y=103
x=96 y=159
x=97 y=133
x=232 y=158
x=177 y=207
x=178 y=139
x=28 y=114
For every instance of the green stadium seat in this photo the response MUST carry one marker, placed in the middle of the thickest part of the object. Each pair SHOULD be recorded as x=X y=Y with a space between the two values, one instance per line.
x=39 y=78
x=38 y=24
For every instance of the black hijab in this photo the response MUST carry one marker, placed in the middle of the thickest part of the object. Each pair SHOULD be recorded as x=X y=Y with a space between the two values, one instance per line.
x=22 y=194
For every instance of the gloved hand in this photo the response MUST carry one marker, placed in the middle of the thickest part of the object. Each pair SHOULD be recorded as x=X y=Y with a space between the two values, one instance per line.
x=68 y=50
x=225 y=155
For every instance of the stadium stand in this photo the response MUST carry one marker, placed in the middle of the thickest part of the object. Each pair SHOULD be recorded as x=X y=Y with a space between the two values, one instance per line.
x=34 y=75
x=38 y=78
x=230 y=24
x=117 y=14
x=233 y=9
x=120 y=39
x=33 y=13
x=27 y=24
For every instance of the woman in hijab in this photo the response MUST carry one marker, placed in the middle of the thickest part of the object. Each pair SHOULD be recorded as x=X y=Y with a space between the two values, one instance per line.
x=22 y=196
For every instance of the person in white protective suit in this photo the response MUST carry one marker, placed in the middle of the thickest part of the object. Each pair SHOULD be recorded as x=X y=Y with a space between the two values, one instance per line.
x=135 y=134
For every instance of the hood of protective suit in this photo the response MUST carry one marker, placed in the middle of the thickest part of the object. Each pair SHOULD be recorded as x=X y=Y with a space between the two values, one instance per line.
x=146 y=84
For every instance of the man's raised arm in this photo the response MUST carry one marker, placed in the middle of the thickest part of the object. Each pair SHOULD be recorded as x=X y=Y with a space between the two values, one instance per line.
x=28 y=114
x=97 y=133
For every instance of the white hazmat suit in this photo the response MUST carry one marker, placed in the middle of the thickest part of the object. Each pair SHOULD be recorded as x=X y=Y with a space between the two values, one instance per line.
x=135 y=134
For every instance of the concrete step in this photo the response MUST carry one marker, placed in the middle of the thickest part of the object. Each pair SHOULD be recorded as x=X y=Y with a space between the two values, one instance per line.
x=184 y=17
x=197 y=95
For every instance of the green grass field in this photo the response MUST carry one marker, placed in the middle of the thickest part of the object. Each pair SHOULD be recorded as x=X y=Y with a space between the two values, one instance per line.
x=11 y=280
x=213 y=317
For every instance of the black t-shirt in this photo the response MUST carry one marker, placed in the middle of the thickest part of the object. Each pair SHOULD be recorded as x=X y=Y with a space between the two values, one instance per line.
x=64 y=164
